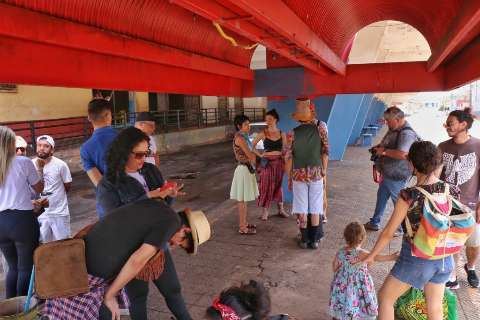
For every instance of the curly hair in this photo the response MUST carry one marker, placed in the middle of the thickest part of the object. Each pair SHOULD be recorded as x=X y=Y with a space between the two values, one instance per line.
x=239 y=120
x=120 y=149
x=252 y=298
x=354 y=234
x=425 y=157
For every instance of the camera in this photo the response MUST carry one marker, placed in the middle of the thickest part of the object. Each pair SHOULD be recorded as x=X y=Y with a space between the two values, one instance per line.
x=373 y=155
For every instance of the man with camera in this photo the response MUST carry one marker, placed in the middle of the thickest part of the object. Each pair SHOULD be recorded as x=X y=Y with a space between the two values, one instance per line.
x=390 y=158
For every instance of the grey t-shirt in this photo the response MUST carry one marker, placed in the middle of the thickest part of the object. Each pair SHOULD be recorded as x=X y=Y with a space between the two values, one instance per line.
x=399 y=139
x=461 y=164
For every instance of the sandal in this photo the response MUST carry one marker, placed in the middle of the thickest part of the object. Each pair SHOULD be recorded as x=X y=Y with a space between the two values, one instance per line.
x=251 y=226
x=264 y=217
x=324 y=219
x=247 y=231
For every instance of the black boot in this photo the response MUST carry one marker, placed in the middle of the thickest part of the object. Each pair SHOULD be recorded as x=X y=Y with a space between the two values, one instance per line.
x=315 y=234
x=303 y=242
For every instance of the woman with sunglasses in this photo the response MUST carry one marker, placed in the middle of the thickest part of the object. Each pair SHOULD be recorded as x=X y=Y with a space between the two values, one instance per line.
x=130 y=179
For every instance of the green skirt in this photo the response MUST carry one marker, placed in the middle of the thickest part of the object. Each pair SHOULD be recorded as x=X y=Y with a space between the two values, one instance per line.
x=244 y=185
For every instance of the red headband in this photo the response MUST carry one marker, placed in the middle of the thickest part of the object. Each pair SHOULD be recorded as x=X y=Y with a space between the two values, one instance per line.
x=226 y=312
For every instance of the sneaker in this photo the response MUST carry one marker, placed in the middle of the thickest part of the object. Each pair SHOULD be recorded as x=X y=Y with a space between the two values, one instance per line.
x=471 y=277
x=314 y=245
x=303 y=245
x=452 y=285
x=370 y=226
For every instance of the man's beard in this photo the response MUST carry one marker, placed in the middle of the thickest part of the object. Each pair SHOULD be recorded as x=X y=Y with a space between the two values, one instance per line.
x=44 y=156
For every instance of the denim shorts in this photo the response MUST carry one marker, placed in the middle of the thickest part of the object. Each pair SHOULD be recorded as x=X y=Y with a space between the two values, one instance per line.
x=417 y=272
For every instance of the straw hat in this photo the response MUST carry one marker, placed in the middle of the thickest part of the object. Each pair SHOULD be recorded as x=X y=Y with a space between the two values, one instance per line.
x=305 y=110
x=197 y=221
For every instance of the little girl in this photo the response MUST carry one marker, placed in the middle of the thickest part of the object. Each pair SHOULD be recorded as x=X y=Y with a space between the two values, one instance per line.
x=352 y=292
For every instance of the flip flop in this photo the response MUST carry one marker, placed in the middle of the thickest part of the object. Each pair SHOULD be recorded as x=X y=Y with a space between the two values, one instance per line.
x=251 y=226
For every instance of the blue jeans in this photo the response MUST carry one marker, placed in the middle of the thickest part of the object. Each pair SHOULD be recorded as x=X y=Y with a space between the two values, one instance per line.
x=388 y=189
x=19 y=233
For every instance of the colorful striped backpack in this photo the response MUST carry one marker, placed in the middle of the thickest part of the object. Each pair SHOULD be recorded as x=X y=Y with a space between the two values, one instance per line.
x=444 y=228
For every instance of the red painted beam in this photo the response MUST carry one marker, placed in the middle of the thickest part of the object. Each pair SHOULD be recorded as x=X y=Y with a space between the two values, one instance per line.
x=27 y=62
x=25 y=24
x=464 y=67
x=463 y=29
x=275 y=14
x=212 y=10
x=376 y=78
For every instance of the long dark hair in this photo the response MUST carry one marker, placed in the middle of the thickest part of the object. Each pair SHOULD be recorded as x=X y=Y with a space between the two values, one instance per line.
x=252 y=298
x=120 y=149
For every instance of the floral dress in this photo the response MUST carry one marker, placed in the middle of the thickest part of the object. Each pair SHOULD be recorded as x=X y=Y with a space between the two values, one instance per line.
x=352 y=292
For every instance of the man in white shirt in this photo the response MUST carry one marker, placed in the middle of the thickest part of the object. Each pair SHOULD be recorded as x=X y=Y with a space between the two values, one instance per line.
x=145 y=121
x=55 y=220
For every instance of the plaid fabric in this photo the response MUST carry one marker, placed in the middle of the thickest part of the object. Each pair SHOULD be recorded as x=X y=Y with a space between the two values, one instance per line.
x=84 y=306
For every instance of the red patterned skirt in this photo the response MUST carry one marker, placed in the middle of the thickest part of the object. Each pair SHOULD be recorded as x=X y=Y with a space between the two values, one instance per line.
x=270 y=185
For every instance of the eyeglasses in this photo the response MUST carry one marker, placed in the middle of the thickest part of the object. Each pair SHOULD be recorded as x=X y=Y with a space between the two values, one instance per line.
x=141 y=155
x=21 y=149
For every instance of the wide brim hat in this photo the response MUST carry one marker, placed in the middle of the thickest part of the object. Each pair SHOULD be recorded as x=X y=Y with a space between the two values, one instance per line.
x=305 y=110
x=200 y=227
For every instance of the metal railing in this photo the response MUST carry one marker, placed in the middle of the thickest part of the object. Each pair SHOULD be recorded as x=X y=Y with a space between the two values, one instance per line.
x=78 y=128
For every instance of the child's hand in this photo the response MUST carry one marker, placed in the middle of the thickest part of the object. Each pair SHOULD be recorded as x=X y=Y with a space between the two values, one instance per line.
x=395 y=255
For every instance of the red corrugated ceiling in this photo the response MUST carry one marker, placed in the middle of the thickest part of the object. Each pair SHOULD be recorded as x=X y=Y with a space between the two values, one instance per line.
x=337 y=21
x=152 y=20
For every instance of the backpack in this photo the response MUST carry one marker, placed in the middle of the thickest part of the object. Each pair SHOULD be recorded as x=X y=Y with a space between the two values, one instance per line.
x=445 y=226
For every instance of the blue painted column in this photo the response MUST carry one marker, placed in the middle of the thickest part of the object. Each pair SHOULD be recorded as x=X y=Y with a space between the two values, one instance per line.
x=341 y=121
x=361 y=118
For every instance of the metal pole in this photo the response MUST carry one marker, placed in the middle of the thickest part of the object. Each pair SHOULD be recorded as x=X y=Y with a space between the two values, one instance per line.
x=32 y=133
x=178 y=119
x=165 y=126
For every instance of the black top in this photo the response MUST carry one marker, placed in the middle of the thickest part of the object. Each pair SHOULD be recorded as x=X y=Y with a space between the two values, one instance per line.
x=116 y=237
x=114 y=195
x=272 y=145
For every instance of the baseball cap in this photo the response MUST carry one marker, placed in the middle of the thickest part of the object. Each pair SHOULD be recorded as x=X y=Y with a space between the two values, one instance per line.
x=48 y=139
x=20 y=142
x=144 y=116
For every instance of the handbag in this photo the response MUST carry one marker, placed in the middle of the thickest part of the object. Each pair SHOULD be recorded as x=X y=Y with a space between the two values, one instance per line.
x=445 y=226
x=412 y=306
x=60 y=269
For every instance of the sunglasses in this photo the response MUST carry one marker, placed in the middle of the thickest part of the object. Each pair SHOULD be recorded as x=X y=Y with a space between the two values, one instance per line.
x=21 y=149
x=140 y=155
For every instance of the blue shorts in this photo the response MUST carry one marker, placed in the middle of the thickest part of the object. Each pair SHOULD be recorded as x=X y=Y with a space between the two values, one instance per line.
x=417 y=272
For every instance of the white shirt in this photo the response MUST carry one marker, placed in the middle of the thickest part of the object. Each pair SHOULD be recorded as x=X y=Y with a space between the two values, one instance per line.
x=137 y=176
x=15 y=192
x=153 y=149
x=55 y=174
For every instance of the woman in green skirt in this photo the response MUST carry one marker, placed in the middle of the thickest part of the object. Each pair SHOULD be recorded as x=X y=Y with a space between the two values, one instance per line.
x=244 y=185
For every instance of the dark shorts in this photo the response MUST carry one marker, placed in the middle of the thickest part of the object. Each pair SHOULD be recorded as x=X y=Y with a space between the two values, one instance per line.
x=417 y=272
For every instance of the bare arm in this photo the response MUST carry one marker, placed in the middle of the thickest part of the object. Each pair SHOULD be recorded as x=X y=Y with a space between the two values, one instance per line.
x=38 y=187
x=131 y=268
x=157 y=159
x=67 y=186
x=95 y=176
x=399 y=214
x=243 y=145
x=396 y=154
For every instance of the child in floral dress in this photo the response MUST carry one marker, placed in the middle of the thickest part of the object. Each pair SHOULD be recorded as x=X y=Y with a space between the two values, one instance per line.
x=352 y=292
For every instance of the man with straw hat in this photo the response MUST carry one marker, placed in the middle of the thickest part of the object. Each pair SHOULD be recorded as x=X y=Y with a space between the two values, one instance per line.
x=306 y=166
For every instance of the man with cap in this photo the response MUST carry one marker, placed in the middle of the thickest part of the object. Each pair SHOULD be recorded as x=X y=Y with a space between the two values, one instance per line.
x=55 y=220
x=306 y=166
x=20 y=146
x=145 y=121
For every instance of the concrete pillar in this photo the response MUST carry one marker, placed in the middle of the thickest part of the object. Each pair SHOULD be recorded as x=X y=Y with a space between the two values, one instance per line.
x=340 y=122
x=361 y=118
